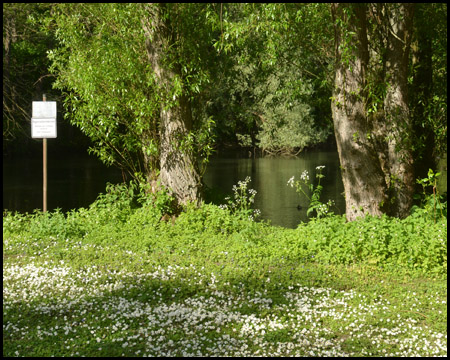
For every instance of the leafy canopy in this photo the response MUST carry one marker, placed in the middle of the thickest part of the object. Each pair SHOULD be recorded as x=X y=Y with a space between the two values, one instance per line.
x=111 y=92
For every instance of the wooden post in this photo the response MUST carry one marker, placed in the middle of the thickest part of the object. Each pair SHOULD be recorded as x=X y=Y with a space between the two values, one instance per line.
x=44 y=148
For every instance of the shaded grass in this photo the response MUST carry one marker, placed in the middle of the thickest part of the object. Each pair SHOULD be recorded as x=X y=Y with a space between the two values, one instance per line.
x=214 y=284
x=378 y=288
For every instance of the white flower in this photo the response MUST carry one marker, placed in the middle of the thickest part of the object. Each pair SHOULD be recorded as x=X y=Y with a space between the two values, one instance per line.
x=291 y=182
x=320 y=167
x=305 y=175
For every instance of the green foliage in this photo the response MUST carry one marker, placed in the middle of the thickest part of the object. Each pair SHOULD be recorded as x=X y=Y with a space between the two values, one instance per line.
x=112 y=92
x=118 y=201
x=315 y=204
x=25 y=64
x=270 y=70
x=287 y=118
x=108 y=220
x=101 y=64
x=432 y=205
x=428 y=82
x=412 y=243
x=266 y=93
x=122 y=218
x=15 y=223
x=79 y=268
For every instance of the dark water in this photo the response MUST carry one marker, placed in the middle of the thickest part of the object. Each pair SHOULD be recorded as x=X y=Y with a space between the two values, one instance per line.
x=269 y=175
x=75 y=181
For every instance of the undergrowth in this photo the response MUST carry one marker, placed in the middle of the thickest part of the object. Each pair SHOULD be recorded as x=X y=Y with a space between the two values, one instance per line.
x=123 y=219
x=116 y=279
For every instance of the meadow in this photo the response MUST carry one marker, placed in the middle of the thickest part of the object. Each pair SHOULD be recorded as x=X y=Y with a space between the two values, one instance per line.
x=115 y=279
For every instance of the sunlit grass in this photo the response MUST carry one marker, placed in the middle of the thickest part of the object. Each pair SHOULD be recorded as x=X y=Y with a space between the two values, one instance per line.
x=113 y=280
x=63 y=303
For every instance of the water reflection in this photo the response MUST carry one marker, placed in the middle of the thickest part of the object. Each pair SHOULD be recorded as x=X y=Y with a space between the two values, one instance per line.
x=75 y=181
x=277 y=201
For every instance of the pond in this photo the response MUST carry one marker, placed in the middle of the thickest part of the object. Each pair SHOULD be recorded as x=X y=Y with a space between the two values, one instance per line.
x=75 y=181
x=277 y=201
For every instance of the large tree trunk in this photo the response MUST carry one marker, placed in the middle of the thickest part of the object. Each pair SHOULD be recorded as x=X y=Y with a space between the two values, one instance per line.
x=179 y=171
x=375 y=157
x=422 y=63
x=362 y=177
x=397 y=123
x=178 y=167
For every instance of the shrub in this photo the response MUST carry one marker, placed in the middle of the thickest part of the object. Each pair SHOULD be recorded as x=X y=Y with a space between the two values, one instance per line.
x=224 y=238
x=412 y=243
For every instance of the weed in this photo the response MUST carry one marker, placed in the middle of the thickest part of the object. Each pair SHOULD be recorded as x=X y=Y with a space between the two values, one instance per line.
x=315 y=205
x=114 y=280
x=433 y=206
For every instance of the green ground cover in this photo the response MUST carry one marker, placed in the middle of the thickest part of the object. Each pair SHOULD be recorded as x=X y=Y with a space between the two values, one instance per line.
x=115 y=280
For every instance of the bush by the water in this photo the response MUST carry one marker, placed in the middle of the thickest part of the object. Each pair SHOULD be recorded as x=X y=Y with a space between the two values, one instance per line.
x=116 y=218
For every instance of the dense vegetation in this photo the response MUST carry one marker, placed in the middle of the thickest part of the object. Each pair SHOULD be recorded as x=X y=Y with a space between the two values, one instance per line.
x=123 y=278
x=156 y=86
x=150 y=268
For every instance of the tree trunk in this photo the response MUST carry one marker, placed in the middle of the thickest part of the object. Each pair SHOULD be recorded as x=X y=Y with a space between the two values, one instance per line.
x=362 y=176
x=422 y=63
x=374 y=151
x=396 y=128
x=178 y=168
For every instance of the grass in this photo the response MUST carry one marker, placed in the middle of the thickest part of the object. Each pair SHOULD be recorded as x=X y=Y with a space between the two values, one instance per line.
x=215 y=284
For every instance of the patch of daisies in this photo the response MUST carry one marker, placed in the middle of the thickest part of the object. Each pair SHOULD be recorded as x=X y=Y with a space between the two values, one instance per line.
x=181 y=311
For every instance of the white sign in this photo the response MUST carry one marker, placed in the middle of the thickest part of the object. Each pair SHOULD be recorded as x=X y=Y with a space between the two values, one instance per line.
x=44 y=110
x=43 y=121
x=43 y=128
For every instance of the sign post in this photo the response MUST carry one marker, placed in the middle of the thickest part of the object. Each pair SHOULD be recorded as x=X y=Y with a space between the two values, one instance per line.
x=43 y=126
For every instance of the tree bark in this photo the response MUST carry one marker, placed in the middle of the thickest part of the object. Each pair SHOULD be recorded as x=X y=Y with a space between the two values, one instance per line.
x=362 y=176
x=374 y=151
x=396 y=127
x=178 y=168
